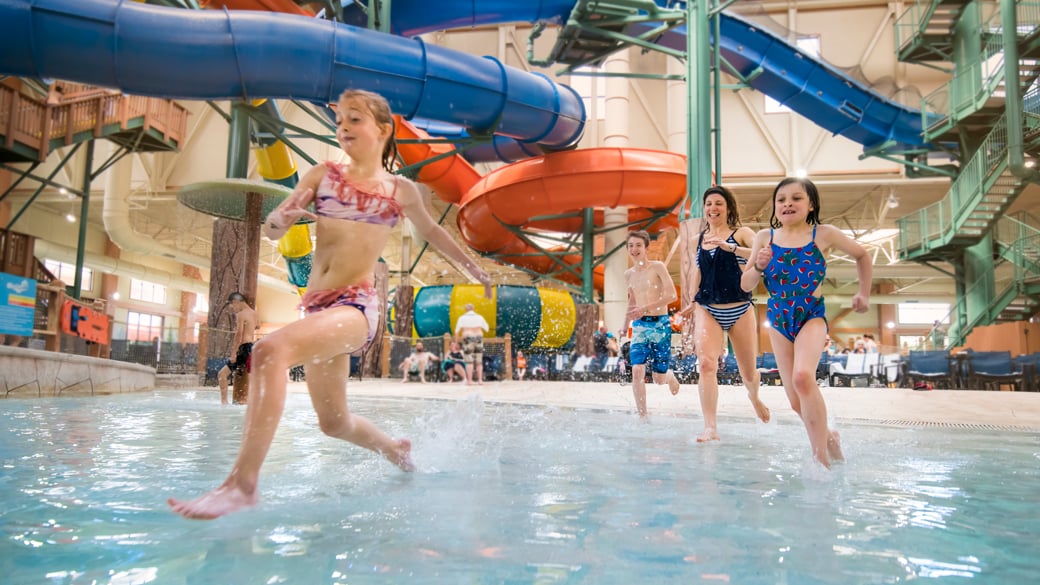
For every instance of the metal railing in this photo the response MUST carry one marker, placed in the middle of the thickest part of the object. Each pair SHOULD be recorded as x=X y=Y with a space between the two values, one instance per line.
x=918 y=229
x=1017 y=246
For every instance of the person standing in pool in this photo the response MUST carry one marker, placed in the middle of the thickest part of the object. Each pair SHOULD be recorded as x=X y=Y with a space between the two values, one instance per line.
x=789 y=258
x=650 y=291
x=246 y=324
x=721 y=307
x=356 y=206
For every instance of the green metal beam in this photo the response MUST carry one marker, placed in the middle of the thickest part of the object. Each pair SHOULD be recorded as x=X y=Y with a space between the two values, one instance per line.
x=588 y=225
x=698 y=126
x=84 y=211
x=426 y=245
x=270 y=125
x=379 y=15
x=309 y=109
x=277 y=126
x=22 y=175
x=43 y=183
x=238 y=142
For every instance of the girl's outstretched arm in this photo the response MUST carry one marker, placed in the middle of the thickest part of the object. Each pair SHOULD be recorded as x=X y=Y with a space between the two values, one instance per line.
x=415 y=209
x=295 y=205
x=832 y=236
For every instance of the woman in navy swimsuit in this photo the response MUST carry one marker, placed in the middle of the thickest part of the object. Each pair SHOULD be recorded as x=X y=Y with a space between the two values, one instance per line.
x=356 y=205
x=721 y=307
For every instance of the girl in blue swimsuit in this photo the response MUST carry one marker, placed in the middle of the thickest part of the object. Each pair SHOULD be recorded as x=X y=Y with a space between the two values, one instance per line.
x=789 y=258
x=721 y=306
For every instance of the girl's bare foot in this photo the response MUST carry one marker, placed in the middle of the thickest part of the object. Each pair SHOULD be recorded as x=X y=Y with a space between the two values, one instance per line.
x=401 y=456
x=761 y=410
x=673 y=385
x=834 y=447
x=225 y=499
x=708 y=434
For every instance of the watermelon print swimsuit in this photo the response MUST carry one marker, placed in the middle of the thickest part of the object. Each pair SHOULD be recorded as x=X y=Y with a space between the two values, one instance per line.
x=791 y=278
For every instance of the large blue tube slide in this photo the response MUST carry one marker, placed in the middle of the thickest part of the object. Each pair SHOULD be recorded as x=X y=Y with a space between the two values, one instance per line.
x=157 y=51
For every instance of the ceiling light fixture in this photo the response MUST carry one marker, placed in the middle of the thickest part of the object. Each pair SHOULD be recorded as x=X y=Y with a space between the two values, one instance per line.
x=893 y=201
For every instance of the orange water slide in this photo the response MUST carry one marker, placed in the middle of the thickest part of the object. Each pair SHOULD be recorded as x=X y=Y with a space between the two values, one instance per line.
x=284 y=6
x=451 y=176
x=517 y=195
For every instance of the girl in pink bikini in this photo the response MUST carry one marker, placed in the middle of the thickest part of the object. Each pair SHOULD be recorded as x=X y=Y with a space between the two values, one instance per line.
x=355 y=207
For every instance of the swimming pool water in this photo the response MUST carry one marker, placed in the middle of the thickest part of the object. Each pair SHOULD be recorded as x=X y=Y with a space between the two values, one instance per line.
x=506 y=494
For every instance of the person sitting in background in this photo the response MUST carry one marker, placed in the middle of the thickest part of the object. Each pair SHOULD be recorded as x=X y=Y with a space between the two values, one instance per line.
x=859 y=346
x=521 y=365
x=600 y=346
x=455 y=363
x=612 y=347
x=869 y=344
x=417 y=363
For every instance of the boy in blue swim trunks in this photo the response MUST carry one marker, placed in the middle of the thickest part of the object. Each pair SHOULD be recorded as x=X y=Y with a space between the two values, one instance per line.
x=650 y=291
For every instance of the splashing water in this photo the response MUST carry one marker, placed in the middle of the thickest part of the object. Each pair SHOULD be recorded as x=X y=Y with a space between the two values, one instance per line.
x=505 y=494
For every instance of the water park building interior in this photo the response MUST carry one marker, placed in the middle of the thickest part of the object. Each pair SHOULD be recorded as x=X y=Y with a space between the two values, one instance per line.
x=139 y=141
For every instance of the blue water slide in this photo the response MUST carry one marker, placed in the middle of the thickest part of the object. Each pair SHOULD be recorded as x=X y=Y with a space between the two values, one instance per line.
x=409 y=18
x=811 y=87
x=152 y=50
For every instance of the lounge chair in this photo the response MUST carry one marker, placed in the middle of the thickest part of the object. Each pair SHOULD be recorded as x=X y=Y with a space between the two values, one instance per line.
x=768 y=371
x=928 y=367
x=856 y=368
x=989 y=370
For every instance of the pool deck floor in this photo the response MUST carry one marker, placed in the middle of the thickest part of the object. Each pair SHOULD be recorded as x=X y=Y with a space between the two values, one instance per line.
x=897 y=406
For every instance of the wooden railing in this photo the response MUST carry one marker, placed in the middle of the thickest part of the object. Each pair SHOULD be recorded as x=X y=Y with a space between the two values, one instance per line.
x=16 y=253
x=34 y=122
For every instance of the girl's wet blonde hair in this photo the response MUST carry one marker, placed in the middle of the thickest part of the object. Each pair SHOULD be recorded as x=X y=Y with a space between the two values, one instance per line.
x=380 y=110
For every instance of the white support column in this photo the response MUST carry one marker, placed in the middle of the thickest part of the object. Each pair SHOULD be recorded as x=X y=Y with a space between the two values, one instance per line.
x=678 y=126
x=676 y=95
x=616 y=134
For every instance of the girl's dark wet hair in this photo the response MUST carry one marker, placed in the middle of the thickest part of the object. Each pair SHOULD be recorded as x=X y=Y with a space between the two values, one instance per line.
x=380 y=110
x=814 y=200
x=732 y=215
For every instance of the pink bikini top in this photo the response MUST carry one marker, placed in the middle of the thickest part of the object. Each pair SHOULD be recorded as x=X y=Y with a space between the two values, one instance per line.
x=339 y=199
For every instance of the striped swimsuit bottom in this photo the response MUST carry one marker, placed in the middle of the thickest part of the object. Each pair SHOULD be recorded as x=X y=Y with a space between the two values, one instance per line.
x=728 y=316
